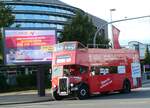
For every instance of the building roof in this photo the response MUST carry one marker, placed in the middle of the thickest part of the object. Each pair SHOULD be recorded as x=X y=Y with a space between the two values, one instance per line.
x=57 y=2
x=97 y=21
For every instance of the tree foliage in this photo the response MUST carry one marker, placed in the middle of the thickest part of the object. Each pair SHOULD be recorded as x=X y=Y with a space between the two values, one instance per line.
x=6 y=19
x=147 y=56
x=82 y=29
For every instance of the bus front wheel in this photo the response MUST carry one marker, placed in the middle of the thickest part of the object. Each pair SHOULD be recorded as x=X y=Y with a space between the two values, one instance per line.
x=83 y=92
x=56 y=96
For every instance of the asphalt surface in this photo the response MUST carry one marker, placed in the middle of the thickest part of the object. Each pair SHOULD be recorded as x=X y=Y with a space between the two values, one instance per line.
x=23 y=97
x=139 y=98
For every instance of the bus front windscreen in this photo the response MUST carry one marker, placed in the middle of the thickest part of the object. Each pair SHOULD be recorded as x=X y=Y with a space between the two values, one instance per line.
x=57 y=71
x=58 y=47
x=70 y=46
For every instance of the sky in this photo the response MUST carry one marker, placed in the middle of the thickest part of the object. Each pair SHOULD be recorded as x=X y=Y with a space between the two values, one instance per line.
x=133 y=30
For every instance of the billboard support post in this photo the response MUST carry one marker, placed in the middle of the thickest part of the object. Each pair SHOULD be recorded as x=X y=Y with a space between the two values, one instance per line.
x=40 y=80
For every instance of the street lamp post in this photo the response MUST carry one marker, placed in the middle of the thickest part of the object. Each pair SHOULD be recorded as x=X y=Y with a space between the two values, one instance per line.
x=111 y=32
x=96 y=33
x=94 y=40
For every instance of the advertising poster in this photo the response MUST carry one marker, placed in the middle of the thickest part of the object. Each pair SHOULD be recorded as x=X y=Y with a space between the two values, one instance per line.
x=136 y=70
x=121 y=69
x=28 y=46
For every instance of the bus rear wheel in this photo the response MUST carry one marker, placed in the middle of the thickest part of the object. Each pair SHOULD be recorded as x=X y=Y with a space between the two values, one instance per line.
x=126 y=87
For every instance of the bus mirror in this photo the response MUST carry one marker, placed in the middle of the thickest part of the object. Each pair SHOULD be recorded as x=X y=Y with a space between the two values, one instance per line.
x=93 y=73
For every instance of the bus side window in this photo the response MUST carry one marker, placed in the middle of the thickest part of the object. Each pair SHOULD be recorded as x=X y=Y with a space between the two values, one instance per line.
x=113 y=69
x=66 y=72
x=104 y=71
x=83 y=69
x=93 y=71
x=97 y=71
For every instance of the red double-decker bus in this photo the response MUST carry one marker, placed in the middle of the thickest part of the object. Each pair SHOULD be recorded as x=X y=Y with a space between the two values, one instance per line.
x=80 y=71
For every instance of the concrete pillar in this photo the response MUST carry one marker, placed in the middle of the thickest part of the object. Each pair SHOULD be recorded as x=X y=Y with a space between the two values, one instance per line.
x=26 y=71
x=40 y=80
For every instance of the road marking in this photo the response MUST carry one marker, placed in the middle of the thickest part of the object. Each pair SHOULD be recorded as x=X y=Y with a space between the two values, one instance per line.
x=135 y=102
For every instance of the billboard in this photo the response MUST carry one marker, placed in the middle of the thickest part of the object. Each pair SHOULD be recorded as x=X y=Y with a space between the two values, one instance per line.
x=28 y=46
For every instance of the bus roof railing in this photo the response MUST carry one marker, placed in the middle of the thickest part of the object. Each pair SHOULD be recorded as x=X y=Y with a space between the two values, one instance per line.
x=105 y=46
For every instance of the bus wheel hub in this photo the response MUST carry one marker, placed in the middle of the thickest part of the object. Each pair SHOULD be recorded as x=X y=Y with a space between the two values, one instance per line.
x=83 y=92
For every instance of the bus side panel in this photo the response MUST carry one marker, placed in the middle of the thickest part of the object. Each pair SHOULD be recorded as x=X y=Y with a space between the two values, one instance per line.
x=106 y=83
x=117 y=81
x=100 y=83
x=94 y=84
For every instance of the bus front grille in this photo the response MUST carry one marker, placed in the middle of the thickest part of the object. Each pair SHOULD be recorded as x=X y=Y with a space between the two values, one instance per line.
x=63 y=86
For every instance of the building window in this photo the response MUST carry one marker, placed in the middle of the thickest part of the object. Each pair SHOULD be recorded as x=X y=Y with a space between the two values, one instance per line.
x=60 y=26
x=53 y=25
x=41 y=8
x=42 y=17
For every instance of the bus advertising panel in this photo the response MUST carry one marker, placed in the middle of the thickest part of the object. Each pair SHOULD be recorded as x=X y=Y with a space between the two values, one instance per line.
x=28 y=46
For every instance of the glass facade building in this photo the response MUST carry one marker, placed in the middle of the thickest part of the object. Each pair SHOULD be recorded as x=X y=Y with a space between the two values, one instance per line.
x=45 y=13
x=41 y=14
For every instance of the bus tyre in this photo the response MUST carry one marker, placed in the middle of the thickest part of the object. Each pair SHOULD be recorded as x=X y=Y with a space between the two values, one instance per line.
x=126 y=87
x=104 y=93
x=83 y=92
x=56 y=96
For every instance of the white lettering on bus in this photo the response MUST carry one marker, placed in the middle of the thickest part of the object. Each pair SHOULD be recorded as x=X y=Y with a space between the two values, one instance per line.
x=105 y=83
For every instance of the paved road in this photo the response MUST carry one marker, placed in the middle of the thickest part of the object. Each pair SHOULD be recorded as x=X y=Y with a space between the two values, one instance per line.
x=139 y=98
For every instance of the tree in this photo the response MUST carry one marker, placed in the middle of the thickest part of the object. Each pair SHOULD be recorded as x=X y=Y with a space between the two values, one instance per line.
x=6 y=19
x=82 y=29
x=147 y=56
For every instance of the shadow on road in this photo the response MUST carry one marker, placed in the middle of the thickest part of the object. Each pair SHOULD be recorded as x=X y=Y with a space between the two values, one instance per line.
x=135 y=94
x=140 y=93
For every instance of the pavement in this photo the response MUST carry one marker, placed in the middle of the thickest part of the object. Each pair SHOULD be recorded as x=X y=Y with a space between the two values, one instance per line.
x=23 y=97
x=145 y=81
x=29 y=96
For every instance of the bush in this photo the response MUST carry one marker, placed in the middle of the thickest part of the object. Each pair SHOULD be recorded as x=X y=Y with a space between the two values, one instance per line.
x=3 y=83
x=26 y=80
x=148 y=77
x=48 y=80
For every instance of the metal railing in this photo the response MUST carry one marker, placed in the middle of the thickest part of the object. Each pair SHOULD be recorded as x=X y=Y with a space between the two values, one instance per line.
x=105 y=46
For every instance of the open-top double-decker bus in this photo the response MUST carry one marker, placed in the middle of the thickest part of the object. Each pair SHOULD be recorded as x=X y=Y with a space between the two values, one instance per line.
x=80 y=71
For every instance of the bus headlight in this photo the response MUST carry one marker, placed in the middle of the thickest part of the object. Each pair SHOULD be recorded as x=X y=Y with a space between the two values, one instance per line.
x=54 y=86
x=71 y=84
